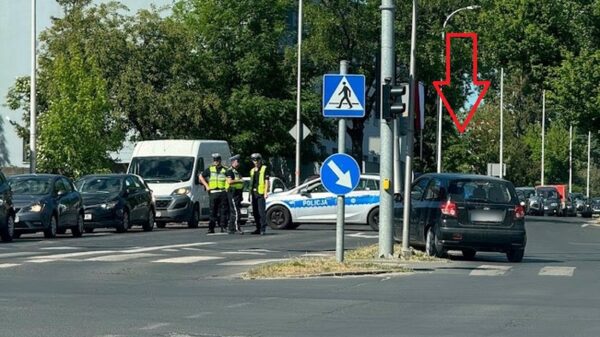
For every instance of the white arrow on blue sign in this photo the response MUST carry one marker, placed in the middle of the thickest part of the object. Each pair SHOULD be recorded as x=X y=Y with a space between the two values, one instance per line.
x=344 y=96
x=340 y=174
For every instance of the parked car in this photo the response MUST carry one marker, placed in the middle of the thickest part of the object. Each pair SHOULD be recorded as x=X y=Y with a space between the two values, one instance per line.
x=549 y=200
x=116 y=201
x=595 y=205
x=7 y=212
x=526 y=195
x=570 y=208
x=171 y=169
x=46 y=203
x=579 y=200
x=312 y=203
x=470 y=213
x=276 y=185
x=587 y=211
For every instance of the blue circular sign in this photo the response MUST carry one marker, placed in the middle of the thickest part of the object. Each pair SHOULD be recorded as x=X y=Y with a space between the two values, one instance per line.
x=340 y=174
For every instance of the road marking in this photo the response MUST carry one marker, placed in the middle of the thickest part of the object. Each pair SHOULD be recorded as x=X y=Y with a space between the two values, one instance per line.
x=258 y=250
x=60 y=248
x=557 y=271
x=56 y=257
x=8 y=265
x=490 y=270
x=243 y=253
x=199 y=315
x=121 y=257
x=194 y=249
x=154 y=326
x=18 y=254
x=149 y=249
x=249 y=262
x=363 y=235
x=188 y=259
x=585 y=225
x=217 y=234
x=170 y=250
x=238 y=305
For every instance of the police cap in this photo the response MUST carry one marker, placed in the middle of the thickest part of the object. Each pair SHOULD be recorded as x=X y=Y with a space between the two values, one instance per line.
x=255 y=156
x=216 y=156
x=235 y=157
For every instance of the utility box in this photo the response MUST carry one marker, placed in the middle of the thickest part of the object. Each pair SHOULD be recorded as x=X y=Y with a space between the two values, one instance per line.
x=493 y=169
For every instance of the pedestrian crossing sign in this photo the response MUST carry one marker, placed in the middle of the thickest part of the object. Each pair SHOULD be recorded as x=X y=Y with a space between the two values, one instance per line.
x=344 y=96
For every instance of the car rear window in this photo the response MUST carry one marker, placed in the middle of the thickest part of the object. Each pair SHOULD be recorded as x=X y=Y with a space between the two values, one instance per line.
x=485 y=191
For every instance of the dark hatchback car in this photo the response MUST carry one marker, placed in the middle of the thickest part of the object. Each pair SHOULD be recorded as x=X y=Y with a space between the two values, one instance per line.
x=48 y=203
x=7 y=212
x=464 y=212
x=116 y=201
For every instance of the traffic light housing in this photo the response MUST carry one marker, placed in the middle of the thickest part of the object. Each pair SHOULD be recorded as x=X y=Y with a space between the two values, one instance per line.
x=394 y=100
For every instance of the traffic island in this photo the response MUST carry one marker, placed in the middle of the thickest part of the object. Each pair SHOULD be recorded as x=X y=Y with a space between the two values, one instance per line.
x=360 y=261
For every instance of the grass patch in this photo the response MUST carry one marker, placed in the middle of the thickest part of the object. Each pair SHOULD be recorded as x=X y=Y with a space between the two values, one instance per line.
x=358 y=261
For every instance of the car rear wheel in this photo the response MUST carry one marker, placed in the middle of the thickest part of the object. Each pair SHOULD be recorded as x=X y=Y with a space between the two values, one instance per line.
x=50 y=232
x=77 y=230
x=515 y=255
x=469 y=254
x=149 y=225
x=373 y=219
x=124 y=225
x=278 y=217
x=432 y=248
x=7 y=233
x=193 y=223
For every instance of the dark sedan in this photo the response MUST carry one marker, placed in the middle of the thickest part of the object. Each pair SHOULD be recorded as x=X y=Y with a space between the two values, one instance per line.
x=464 y=212
x=7 y=212
x=116 y=201
x=47 y=203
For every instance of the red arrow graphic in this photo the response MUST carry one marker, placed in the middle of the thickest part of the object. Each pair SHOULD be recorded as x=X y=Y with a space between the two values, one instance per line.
x=439 y=84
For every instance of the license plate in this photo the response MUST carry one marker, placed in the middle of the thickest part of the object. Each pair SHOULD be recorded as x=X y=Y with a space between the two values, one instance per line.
x=244 y=211
x=87 y=217
x=16 y=219
x=158 y=214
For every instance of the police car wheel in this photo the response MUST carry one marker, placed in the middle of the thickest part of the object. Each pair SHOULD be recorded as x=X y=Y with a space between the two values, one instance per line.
x=278 y=217
x=373 y=219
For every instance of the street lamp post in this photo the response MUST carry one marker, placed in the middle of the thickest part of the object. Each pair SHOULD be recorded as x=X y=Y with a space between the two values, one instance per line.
x=543 y=134
x=298 y=85
x=439 y=135
x=32 y=92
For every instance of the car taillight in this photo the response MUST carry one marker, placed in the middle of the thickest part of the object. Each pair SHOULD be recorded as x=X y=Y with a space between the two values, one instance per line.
x=449 y=208
x=519 y=212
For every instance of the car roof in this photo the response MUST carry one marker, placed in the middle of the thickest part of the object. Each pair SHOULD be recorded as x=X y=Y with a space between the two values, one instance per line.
x=102 y=175
x=43 y=175
x=459 y=176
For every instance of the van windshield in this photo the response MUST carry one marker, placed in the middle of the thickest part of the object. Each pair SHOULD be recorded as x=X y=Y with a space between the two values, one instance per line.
x=162 y=169
x=486 y=191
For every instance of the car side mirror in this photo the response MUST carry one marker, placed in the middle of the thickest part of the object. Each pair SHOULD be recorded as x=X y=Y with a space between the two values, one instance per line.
x=304 y=192
x=278 y=190
x=61 y=193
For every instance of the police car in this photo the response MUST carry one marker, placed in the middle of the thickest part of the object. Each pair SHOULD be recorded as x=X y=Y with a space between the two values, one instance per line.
x=312 y=203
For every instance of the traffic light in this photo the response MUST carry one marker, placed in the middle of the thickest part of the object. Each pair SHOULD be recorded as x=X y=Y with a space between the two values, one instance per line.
x=394 y=100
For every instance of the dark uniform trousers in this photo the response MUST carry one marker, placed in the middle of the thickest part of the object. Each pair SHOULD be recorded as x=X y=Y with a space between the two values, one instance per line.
x=219 y=207
x=258 y=211
x=235 y=205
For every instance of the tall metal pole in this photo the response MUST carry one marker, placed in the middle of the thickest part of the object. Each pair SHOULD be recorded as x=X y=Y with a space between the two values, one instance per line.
x=543 y=131
x=386 y=200
x=587 y=190
x=341 y=203
x=32 y=93
x=501 y=123
x=298 y=87
x=410 y=135
x=571 y=159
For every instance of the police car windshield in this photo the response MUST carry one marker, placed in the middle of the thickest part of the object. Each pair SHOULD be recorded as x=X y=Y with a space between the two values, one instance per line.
x=162 y=169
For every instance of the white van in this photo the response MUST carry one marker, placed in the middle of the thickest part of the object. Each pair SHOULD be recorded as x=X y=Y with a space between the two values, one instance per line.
x=171 y=169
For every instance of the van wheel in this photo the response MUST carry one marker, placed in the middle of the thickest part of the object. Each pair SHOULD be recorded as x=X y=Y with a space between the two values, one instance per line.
x=515 y=255
x=373 y=219
x=469 y=254
x=193 y=223
x=278 y=217
x=7 y=233
x=432 y=247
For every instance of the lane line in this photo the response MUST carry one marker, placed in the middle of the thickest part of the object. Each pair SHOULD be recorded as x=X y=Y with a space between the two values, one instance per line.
x=243 y=253
x=199 y=315
x=149 y=249
x=122 y=257
x=61 y=248
x=249 y=262
x=490 y=270
x=188 y=259
x=57 y=257
x=557 y=271
x=8 y=265
x=18 y=254
x=155 y=326
x=238 y=305
x=585 y=225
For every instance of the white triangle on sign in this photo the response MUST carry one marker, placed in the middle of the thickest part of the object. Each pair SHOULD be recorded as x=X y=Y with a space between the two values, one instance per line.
x=344 y=98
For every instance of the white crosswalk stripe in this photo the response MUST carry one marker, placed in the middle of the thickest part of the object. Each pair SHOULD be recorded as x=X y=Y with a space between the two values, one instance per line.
x=66 y=256
x=8 y=265
x=557 y=271
x=121 y=257
x=188 y=259
x=490 y=270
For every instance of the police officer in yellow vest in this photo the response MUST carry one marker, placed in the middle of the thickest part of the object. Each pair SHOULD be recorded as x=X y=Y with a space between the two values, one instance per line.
x=259 y=190
x=235 y=188
x=219 y=205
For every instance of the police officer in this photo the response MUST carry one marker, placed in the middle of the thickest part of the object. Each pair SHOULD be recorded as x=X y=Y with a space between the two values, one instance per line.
x=215 y=186
x=235 y=188
x=259 y=189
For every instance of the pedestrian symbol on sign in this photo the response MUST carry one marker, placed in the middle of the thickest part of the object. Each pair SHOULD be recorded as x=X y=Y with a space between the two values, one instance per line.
x=347 y=92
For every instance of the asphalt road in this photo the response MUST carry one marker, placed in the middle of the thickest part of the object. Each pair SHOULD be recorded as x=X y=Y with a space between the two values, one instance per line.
x=180 y=282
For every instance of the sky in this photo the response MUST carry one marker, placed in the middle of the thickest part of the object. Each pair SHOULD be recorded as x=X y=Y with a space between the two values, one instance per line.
x=15 y=57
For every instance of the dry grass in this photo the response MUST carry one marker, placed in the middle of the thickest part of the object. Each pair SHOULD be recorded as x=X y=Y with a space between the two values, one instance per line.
x=360 y=260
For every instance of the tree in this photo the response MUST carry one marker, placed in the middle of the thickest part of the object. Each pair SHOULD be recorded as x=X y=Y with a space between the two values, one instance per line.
x=78 y=112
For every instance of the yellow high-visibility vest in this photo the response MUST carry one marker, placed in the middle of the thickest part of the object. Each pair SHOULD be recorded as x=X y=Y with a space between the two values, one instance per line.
x=261 y=179
x=217 y=178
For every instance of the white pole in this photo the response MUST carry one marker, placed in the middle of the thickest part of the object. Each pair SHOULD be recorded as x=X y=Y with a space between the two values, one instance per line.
x=501 y=123
x=439 y=126
x=298 y=87
x=543 y=131
x=32 y=93
x=571 y=159
x=587 y=193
